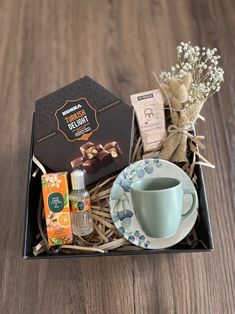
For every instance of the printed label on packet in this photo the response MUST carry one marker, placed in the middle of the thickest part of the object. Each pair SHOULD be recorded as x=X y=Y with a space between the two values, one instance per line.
x=149 y=109
x=56 y=207
x=77 y=206
x=77 y=120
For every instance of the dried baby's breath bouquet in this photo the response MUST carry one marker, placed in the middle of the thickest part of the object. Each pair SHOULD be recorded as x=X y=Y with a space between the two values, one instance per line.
x=186 y=87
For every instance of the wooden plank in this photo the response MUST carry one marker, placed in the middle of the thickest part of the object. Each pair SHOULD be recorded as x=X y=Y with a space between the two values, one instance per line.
x=47 y=44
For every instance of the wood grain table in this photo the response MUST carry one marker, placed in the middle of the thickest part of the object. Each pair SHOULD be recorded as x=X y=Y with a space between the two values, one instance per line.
x=45 y=44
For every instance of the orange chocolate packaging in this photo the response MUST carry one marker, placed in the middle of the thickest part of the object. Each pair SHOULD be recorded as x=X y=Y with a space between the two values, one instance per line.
x=56 y=207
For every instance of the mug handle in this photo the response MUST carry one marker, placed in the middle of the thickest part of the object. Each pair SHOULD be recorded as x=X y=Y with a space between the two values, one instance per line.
x=194 y=204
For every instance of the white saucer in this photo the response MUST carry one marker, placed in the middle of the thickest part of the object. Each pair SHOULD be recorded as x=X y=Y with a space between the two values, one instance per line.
x=121 y=207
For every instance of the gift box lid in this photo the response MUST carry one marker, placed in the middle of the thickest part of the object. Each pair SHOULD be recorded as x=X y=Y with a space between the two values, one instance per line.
x=74 y=120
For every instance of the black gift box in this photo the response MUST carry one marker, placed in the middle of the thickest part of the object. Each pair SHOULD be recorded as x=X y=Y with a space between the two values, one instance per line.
x=31 y=227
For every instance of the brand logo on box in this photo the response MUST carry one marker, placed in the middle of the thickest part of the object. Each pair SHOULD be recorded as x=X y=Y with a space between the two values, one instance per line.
x=55 y=202
x=77 y=119
x=145 y=97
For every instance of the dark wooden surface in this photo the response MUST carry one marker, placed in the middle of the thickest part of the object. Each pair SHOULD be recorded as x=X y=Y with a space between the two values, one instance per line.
x=47 y=44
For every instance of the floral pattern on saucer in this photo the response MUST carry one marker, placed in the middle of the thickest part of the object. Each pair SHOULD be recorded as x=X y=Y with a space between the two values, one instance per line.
x=119 y=199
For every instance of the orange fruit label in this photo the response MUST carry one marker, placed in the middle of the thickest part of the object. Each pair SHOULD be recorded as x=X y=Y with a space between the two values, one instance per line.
x=56 y=206
x=64 y=220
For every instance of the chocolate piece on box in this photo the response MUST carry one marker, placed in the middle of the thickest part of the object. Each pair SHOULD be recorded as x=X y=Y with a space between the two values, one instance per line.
x=78 y=162
x=89 y=150
x=99 y=148
x=91 y=166
x=80 y=113
x=113 y=148
x=105 y=158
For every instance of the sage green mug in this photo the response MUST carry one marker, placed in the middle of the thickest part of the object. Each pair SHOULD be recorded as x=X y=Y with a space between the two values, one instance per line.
x=158 y=205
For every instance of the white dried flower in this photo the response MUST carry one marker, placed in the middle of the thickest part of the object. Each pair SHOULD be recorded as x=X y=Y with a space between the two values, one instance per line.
x=202 y=63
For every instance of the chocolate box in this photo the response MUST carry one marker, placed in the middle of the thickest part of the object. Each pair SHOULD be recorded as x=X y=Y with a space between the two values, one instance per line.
x=82 y=125
x=31 y=227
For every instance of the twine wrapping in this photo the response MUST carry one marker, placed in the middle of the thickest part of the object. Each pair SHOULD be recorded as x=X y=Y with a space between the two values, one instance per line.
x=174 y=147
